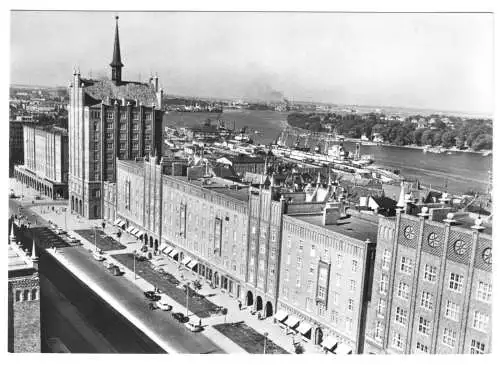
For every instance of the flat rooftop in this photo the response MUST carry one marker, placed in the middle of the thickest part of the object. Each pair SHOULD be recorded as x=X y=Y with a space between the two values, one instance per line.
x=17 y=261
x=220 y=186
x=351 y=226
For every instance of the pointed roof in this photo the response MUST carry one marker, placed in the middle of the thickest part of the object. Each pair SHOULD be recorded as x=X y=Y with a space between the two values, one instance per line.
x=117 y=59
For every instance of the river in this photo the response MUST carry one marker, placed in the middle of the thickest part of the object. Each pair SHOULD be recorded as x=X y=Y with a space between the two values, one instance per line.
x=460 y=171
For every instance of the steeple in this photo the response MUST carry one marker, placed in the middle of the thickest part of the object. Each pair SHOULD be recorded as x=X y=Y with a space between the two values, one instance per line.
x=116 y=64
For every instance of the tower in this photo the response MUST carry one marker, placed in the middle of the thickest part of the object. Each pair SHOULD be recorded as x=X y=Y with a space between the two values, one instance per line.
x=116 y=64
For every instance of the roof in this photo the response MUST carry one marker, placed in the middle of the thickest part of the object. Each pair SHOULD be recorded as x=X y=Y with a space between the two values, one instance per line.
x=431 y=195
x=351 y=226
x=17 y=261
x=117 y=59
x=384 y=202
x=101 y=89
x=218 y=185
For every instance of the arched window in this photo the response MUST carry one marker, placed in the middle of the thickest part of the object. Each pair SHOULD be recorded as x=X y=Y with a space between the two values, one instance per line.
x=34 y=294
x=25 y=295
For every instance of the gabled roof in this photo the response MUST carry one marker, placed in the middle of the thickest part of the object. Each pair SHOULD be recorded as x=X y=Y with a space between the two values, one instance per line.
x=102 y=89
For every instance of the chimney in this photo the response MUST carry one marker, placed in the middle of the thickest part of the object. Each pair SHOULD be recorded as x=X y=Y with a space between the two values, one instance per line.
x=331 y=213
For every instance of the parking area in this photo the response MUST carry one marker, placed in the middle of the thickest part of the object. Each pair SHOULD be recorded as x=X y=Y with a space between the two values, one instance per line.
x=167 y=283
x=102 y=240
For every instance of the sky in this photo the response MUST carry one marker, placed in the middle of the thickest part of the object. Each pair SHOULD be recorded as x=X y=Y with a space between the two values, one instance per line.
x=429 y=61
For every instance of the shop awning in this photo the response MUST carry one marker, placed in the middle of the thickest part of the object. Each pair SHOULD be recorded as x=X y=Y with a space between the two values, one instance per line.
x=192 y=264
x=304 y=327
x=329 y=342
x=140 y=234
x=292 y=321
x=281 y=315
x=343 y=349
x=121 y=224
x=116 y=222
x=134 y=231
x=185 y=260
x=173 y=253
x=129 y=229
x=167 y=249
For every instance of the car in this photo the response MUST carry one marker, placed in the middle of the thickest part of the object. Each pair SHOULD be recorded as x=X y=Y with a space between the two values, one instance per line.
x=72 y=239
x=108 y=265
x=180 y=317
x=59 y=231
x=98 y=256
x=151 y=295
x=116 y=271
x=193 y=327
x=163 y=305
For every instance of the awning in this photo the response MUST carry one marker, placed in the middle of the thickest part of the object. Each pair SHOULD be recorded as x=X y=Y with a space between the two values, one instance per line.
x=304 y=327
x=121 y=224
x=116 y=222
x=173 y=253
x=281 y=315
x=140 y=234
x=292 y=321
x=343 y=349
x=192 y=264
x=329 y=342
x=129 y=229
x=185 y=260
x=167 y=249
x=134 y=231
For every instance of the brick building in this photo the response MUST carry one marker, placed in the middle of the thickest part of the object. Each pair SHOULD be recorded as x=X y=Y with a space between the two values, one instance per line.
x=432 y=285
x=45 y=160
x=108 y=119
x=24 y=334
x=325 y=275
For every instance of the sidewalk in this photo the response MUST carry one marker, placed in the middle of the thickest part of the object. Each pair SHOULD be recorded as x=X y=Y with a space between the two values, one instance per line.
x=275 y=333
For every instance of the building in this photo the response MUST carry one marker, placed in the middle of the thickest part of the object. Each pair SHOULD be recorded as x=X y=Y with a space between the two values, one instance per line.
x=108 y=119
x=325 y=277
x=24 y=333
x=16 y=150
x=244 y=163
x=432 y=285
x=45 y=160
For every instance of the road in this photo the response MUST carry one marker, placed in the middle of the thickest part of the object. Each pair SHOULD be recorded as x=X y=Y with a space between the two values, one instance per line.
x=129 y=296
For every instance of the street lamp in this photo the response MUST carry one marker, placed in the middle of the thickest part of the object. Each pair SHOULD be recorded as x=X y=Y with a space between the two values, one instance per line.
x=95 y=239
x=265 y=341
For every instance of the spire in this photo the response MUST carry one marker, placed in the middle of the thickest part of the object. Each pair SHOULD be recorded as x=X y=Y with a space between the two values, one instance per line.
x=116 y=64
x=12 y=234
x=34 y=257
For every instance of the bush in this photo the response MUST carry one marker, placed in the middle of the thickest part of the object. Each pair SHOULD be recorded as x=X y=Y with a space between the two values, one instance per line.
x=299 y=349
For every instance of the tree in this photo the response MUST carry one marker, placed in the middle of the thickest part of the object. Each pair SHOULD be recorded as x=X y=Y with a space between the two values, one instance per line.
x=482 y=142
x=448 y=139
x=417 y=136
x=426 y=138
x=436 y=138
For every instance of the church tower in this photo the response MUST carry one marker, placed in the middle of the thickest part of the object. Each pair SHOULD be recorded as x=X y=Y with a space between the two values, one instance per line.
x=116 y=64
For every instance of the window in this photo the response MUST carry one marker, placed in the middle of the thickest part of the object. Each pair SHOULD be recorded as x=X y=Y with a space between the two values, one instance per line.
x=381 y=307
x=430 y=273
x=476 y=347
x=480 y=321
x=449 y=337
x=285 y=292
x=289 y=241
x=321 y=292
x=398 y=340
x=313 y=250
x=299 y=263
x=424 y=326
x=335 y=298
x=354 y=265
x=309 y=303
x=426 y=300
x=109 y=115
x=403 y=290
x=422 y=348
x=311 y=268
x=401 y=315
x=334 y=316
x=379 y=331
x=352 y=285
x=301 y=246
x=322 y=309
x=406 y=265
x=18 y=295
x=386 y=260
x=309 y=286
x=26 y=295
x=383 y=284
x=452 y=310
x=273 y=250
x=287 y=275
x=348 y=324
x=339 y=260
x=34 y=294
x=350 y=304
x=456 y=282
x=338 y=279
x=483 y=292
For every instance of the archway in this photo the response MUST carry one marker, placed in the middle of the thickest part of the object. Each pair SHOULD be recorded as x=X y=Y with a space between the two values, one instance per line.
x=80 y=208
x=151 y=241
x=156 y=245
x=145 y=239
x=318 y=336
x=259 y=303
x=249 y=298
x=72 y=203
x=216 y=279
x=269 y=310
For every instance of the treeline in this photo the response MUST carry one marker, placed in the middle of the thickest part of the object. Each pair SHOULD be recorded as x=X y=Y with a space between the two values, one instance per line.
x=457 y=132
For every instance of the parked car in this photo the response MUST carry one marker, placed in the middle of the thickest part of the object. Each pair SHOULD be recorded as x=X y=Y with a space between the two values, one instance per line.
x=193 y=327
x=164 y=306
x=116 y=271
x=109 y=265
x=72 y=239
x=151 y=295
x=98 y=256
x=59 y=231
x=180 y=317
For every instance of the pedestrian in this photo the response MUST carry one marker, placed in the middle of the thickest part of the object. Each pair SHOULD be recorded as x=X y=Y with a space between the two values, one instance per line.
x=239 y=304
x=199 y=323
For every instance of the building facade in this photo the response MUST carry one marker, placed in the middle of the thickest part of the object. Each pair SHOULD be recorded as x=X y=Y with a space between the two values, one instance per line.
x=45 y=160
x=325 y=276
x=433 y=285
x=16 y=146
x=108 y=119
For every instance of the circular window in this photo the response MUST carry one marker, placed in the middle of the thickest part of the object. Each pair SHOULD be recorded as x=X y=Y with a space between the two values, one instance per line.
x=433 y=240
x=409 y=232
x=460 y=247
x=487 y=255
